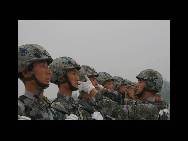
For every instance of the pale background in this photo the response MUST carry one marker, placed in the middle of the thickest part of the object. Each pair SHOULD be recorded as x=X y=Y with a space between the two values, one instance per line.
x=119 y=47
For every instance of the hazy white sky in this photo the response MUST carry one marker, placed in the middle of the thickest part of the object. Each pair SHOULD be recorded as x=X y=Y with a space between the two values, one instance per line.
x=119 y=47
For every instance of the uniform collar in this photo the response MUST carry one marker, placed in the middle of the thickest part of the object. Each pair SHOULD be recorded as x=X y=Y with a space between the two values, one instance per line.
x=32 y=95
x=64 y=96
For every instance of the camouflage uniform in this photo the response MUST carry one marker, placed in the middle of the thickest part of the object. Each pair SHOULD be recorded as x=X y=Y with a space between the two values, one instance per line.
x=66 y=105
x=110 y=109
x=144 y=110
x=148 y=108
x=102 y=79
x=87 y=107
x=33 y=105
x=118 y=81
x=87 y=102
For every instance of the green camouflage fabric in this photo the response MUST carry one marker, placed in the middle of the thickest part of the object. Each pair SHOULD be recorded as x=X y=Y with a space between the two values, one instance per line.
x=119 y=98
x=87 y=70
x=144 y=110
x=60 y=66
x=115 y=96
x=88 y=105
x=66 y=105
x=153 y=79
x=29 y=53
x=36 y=108
x=128 y=81
x=104 y=76
x=109 y=109
x=118 y=81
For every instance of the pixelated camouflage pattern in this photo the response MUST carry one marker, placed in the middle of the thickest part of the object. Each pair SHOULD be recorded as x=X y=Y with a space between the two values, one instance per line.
x=36 y=109
x=88 y=70
x=59 y=67
x=30 y=53
x=109 y=109
x=154 y=80
x=104 y=76
x=118 y=81
x=144 y=110
x=66 y=105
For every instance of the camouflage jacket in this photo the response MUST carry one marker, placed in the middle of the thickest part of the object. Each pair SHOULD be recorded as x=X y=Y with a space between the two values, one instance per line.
x=88 y=104
x=114 y=96
x=144 y=110
x=35 y=107
x=66 y=105
x=109 y=109
x=119 y=98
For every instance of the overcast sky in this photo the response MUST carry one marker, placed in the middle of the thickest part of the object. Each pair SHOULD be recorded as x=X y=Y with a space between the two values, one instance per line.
x=119 y=47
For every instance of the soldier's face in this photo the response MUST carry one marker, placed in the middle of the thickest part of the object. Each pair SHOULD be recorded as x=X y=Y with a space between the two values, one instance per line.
x=140 y=86
x=131 y=91
x=42 y=72
x=73 y=76
x=109 y=85
x=123 y=88
x=93 y=81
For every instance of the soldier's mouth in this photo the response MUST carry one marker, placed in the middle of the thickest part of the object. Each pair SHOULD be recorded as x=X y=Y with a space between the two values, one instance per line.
x=48 y=80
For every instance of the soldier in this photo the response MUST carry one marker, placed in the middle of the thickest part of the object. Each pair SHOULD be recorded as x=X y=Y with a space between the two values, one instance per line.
x=131 y=90
x=149 y=84
x=109 y=109
x=33 y=71
x=89 y=72
x=65 y=74
x=107 y=81
x=120 y=85
x=87 y=98
x=149 y=103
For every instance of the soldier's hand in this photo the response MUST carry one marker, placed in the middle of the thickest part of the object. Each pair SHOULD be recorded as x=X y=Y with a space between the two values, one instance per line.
x=97 y=116
x=71 y=117
x=23 y=118
x=100 y=86
x=86 y=86
x=164 y=114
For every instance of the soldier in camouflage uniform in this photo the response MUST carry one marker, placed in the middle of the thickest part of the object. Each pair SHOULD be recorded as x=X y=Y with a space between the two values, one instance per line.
x=149 y=106
x=33 y=71
x=131 y=90
x=102 y=100
x=120 y=85
x=65 y=74
x=87 y=98
x=107 y=81
x=91 y=74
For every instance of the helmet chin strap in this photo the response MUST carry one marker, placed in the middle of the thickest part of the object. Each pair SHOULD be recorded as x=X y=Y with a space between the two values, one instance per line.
x=70 y=84
x=39 y=86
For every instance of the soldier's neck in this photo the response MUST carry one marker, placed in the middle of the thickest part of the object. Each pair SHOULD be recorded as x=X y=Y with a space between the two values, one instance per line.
x=147 y=94
x=32 y=88
x=65 y=90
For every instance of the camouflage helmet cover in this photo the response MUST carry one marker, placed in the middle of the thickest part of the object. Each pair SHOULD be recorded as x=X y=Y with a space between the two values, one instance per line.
x=118 y=81
x=103 y=77
x=29 y=53
x=89 y=71
x=60 y=66
x=153 y=79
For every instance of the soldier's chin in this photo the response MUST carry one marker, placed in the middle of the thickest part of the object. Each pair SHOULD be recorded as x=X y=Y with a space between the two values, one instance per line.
x=138 y=93
x=76 y=86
